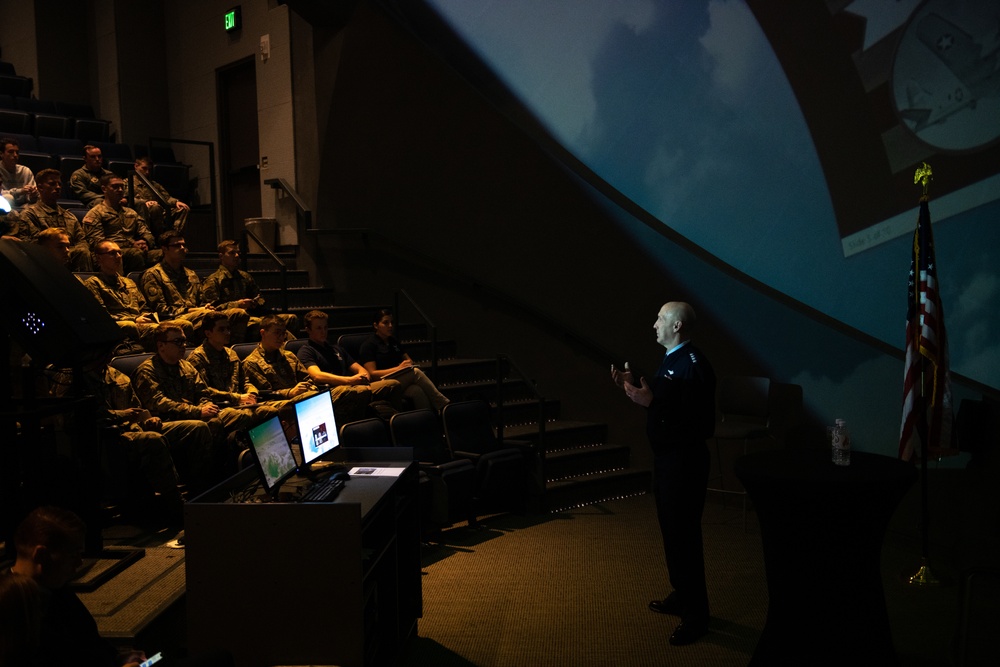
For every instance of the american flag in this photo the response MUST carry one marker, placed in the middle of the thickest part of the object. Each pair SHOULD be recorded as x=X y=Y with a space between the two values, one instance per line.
x=926 y=366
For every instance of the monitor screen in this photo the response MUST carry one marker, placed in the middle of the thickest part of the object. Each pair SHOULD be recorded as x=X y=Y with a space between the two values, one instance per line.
x=273 y=454
x=317 y=426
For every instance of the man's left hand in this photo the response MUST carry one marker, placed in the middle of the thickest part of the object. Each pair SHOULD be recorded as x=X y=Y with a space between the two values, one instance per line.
x=641 y=395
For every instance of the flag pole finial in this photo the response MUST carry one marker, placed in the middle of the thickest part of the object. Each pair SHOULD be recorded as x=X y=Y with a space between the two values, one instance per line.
x=923 y=176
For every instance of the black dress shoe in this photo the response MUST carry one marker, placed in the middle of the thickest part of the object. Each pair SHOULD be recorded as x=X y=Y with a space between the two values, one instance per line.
x=687 y=633
x=668 y=605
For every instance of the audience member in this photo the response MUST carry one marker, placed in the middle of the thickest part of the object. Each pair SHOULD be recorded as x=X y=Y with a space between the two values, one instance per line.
x=20 y=620
x=383 y=357
x=49 y=545
x=174 y=291
x=111 y=219
x=157 y=219
x=229 y=287
x=157 y=449
x=272 y=368
x=123 y=299
x=46 y=213
x=18 y=183
x=56 y=241
x=352 y=387
x=222 y=370
x=171 y=388
x=86 y=182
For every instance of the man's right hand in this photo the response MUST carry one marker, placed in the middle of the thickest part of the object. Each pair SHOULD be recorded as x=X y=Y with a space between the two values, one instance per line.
x=209 y=410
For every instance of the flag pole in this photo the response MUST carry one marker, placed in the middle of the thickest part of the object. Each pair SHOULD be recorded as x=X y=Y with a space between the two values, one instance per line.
x=924 y=576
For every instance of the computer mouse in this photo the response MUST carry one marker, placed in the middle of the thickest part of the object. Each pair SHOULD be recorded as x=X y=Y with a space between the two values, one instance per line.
x=341 y=475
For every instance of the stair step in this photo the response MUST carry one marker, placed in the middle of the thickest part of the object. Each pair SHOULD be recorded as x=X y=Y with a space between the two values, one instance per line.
x=561 y=434
x=587 y=460
x=525 y=411
x=271 y=279
x=599 y=487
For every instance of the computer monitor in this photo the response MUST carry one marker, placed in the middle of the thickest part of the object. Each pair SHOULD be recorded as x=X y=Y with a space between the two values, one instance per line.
x=317 y=426
x=273 y=454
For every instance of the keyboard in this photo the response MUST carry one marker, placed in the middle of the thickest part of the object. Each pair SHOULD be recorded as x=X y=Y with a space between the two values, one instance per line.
x=321 y=491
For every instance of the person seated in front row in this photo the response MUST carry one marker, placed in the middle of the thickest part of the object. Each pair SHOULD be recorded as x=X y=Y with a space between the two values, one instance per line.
x=351 y=384
x=172 y=389
x=382 y=356
x=174 y=291
x=221 y=369
x=271 y=368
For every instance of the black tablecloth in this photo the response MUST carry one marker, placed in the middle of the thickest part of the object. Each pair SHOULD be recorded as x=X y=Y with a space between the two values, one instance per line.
x=822 y=528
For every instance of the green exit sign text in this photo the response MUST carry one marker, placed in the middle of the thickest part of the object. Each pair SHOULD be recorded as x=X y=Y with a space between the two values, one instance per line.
x=233 y=19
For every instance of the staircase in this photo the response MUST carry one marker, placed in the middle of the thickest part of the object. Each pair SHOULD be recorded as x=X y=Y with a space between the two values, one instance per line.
x=580 y=466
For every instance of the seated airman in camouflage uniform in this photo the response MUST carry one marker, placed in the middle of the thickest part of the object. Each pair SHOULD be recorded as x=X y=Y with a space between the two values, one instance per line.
x=174 y=291
x=229 y=287
x=111 y=219
x=171 y=388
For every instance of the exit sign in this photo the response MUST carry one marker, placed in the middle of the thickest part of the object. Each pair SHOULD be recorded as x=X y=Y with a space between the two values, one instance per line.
x=234 y=21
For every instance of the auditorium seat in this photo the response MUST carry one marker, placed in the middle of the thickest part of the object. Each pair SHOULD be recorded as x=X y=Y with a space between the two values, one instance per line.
x=7 y=102
x=370 y=432
x=75 y=110
x=352 y=343
x=61 y=146
x=36 y=161
x=89 y=130
x=127 y=363
x=27 y=142
x=501 y=469
x=32 y=105
x=452 y=481
x=51 y=125
x=12 y=120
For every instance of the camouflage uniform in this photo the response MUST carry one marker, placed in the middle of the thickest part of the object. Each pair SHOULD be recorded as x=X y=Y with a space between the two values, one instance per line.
x=124 y=227
x=225 y=288
x=123 y=300
x=34 y=218
x=226 y=380
x=86 y=186
x=187 y=442
x=178 y=392
x=173 y=293
x=155 y=218
x=281 y=370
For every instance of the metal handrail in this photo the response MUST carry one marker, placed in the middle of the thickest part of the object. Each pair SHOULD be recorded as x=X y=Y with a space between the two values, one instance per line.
x=432 y=328
x=282 y=268
x=300 y=204
x=503 y=359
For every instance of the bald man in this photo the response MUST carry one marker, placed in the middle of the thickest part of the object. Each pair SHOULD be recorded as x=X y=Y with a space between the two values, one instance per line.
x=680 y=417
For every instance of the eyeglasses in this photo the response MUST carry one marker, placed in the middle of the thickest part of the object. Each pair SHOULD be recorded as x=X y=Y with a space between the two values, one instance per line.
x=179 y=342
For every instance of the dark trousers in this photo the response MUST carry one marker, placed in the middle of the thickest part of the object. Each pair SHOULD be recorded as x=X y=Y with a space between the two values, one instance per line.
x=680 y=477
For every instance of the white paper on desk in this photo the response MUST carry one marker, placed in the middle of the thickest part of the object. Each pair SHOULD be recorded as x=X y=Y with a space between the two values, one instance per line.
x=372 y=471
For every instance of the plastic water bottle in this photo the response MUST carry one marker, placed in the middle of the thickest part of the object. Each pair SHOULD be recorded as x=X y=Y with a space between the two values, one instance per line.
x=841 y=444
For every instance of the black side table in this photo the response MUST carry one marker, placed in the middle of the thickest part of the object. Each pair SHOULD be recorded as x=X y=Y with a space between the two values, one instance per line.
x=822 y=528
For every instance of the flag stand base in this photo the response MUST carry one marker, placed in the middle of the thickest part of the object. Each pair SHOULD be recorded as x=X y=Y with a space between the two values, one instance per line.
x=924 y=577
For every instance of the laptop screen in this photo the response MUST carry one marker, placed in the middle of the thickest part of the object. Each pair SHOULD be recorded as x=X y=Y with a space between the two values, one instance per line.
x=273 y=454
x=317 y=426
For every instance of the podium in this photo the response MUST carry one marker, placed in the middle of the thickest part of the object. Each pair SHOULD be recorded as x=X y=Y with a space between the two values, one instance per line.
x=331 y=583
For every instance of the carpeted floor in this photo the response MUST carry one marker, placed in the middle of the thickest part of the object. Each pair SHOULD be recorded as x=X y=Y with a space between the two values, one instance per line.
x=572 y=589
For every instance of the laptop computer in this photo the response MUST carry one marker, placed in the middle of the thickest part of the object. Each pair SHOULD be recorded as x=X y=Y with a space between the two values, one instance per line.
x=276 y=463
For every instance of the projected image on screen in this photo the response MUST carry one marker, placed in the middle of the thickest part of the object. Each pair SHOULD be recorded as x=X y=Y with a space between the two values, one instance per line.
x=317 y=426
